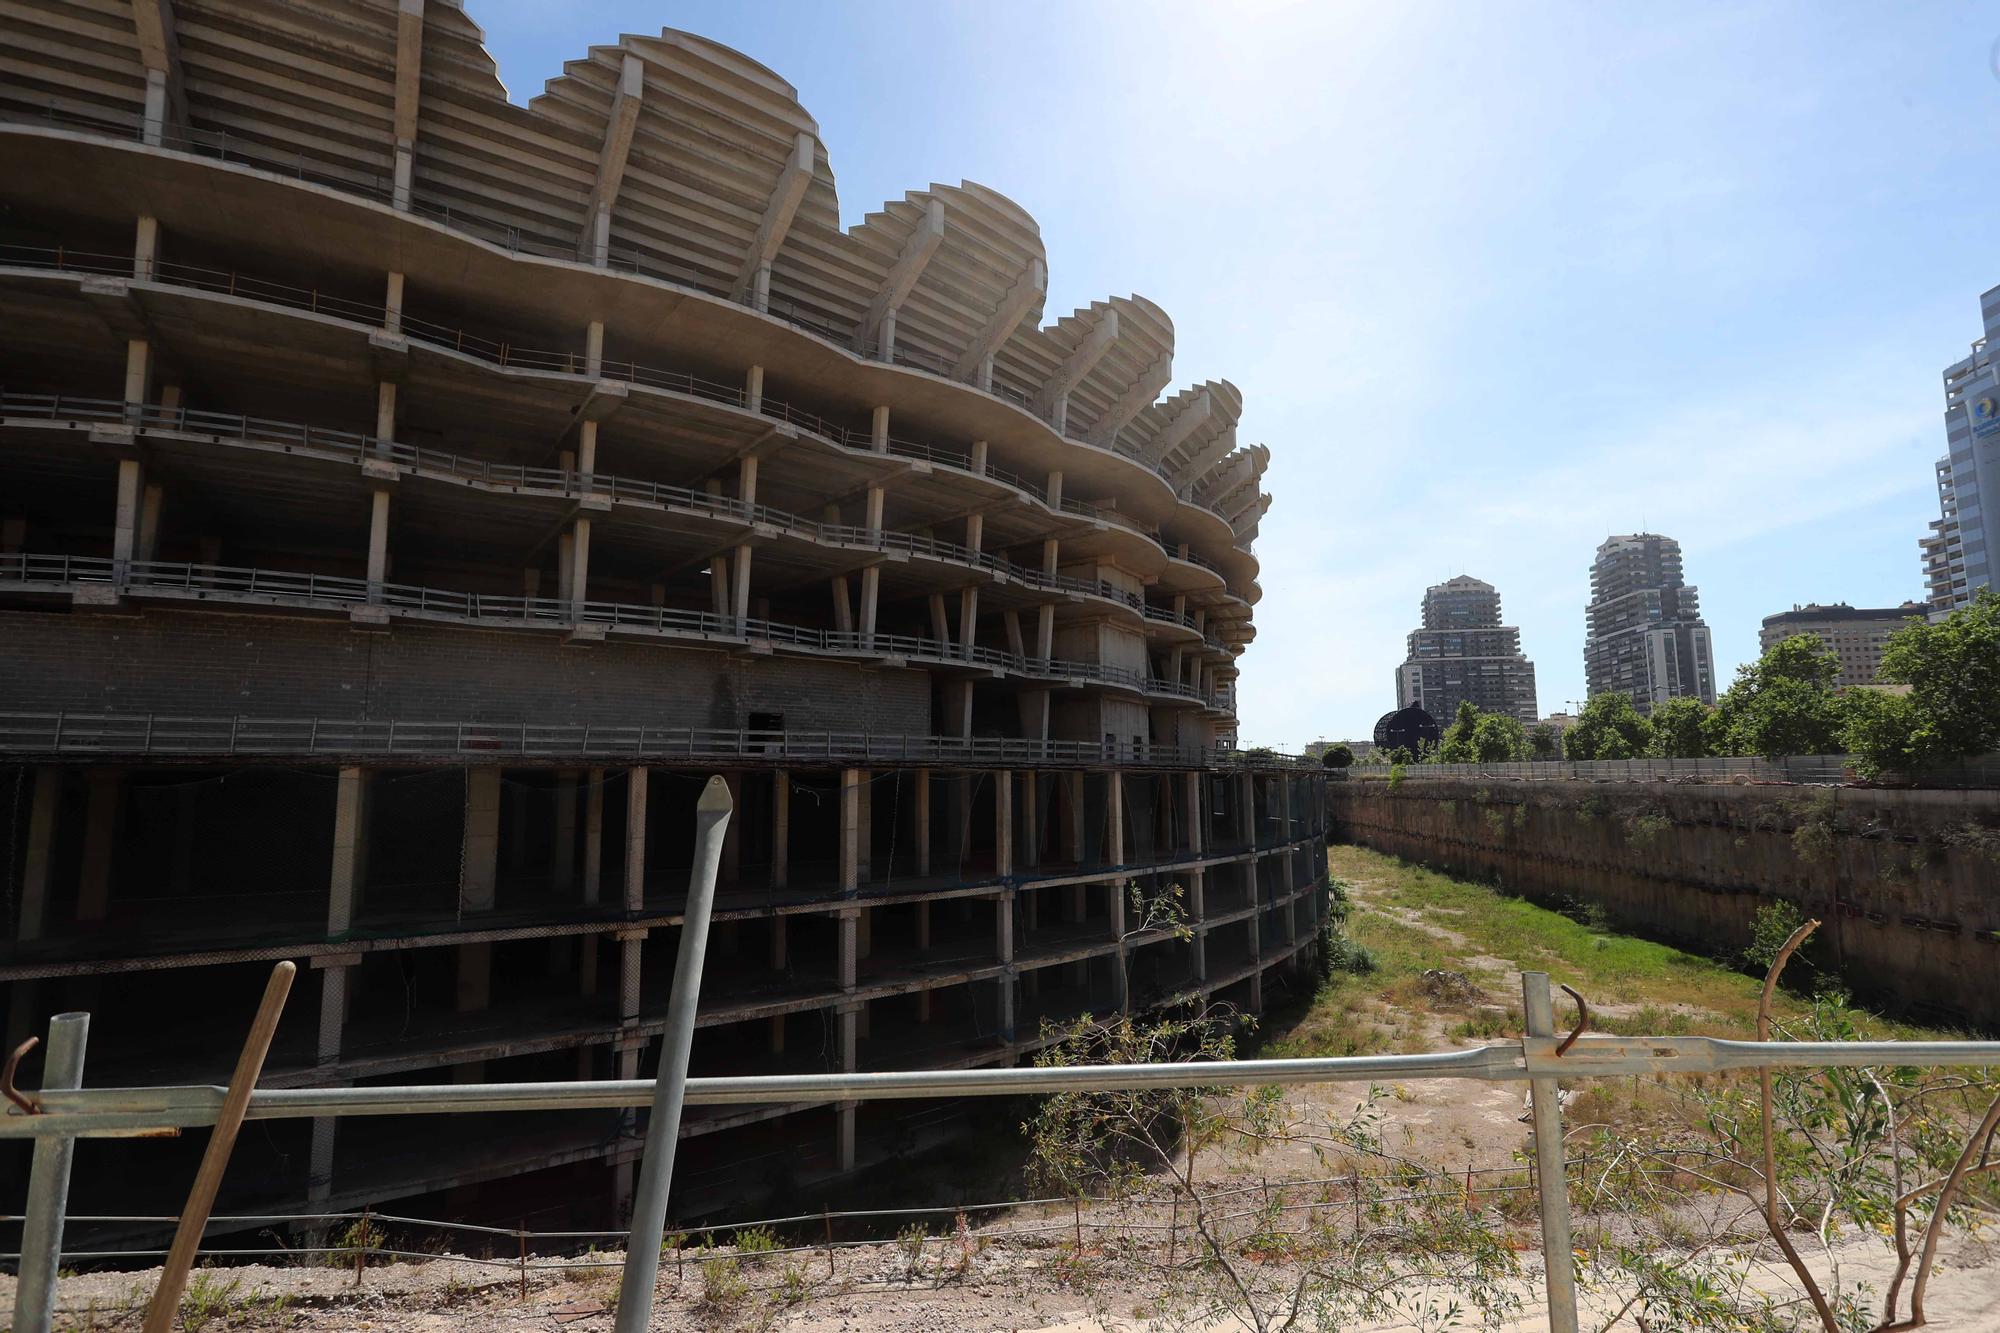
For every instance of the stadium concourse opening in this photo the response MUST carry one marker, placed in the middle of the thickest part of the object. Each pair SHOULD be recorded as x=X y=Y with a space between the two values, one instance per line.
x=407 y=500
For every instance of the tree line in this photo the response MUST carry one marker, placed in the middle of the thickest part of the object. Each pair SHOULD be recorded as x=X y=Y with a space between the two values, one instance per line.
x=1938 y=701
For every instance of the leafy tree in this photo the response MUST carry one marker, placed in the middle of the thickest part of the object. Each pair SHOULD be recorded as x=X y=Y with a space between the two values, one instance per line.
x=1399 y=754
x=1785 y=703
x=1498 y=738
x=1337 y=756
x=1879 y=731
x=1953 y=707
x=1458 y=746
x=1679 y=729
x=1609 y=727
x=1545 y=742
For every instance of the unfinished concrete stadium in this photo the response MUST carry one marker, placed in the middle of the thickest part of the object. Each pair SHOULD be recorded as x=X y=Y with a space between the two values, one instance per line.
x=407 y=498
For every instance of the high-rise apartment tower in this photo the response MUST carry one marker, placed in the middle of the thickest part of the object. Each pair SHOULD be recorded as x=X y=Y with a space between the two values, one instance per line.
x=1464 y=654
x=1644 y=634
x=1958 y=556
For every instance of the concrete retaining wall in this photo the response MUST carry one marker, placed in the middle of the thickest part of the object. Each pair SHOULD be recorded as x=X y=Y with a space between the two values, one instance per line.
x=1906 y=882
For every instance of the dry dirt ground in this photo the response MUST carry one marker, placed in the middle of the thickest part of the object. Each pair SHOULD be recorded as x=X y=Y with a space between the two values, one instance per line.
x=990 y=1279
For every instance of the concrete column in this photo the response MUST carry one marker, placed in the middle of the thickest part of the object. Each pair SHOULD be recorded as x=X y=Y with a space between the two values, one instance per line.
x=1070 y=813
x=579 y=567
x=480 y=851
x=780 y=944
x=848 y=959
x=350 y=823
x=378 y=543
x=39 y=851
x=1246 y=813
x=1031 y=815
x=781 y=829
x=148 y=539
x=1256 y=952
x=385 y=410
x=153 y=124
x=593 y=836
x=1045 y=627
x=865 y=848
x=593 y=348
x=979 y=452
x=1003 y=824
x=1003 y=945
x=1195 y=814
x=562 y=874
x=1114 y=821
x=145 y=249
x=878 y=430
x=843 y=607
x=923 y=926
x=23 y=1000
x=100 y=837
x=718 y=586
x=968 y=622
x=1055 y=486
x=851 y=780
x=753 y=389
x=586 y=455
x=635 y=838
x=923 y=817
x=732 y=836
x=392 y=305
x=125 y=532
x=740 y=612
x=871 y=577
x=1197 y=910
x=1115 y=907
x=138 y=370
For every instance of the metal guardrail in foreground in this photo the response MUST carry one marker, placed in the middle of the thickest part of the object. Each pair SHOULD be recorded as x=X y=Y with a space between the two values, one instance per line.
x=1541 y=1058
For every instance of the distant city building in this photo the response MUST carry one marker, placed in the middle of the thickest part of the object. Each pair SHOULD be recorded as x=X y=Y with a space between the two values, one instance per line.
x=1957 y=558
x=1409 y=728
x=1644 y=635
x=1463 y=653
x=1557 y=722
x=1857 y=635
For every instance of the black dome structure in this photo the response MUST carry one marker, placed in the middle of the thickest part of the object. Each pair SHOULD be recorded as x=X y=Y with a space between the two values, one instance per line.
x=1408 y=728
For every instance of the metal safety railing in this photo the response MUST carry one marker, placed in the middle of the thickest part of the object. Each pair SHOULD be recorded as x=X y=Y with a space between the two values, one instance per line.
x=294 y=437
x=1542 y=1058
x=99 y=733
x=207 y=582
x=510 y=355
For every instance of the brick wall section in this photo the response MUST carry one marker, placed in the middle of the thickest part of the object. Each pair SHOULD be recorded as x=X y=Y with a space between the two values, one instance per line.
x=1905 y=883
x=272 y=666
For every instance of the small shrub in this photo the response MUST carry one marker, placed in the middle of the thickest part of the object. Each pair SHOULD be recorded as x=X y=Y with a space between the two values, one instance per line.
x=1345 y=955
x=1643 y=830
x=723 y=1286
x=1774 y=924
x=910 y=1240
x=753 y=1243
x=1395 y=776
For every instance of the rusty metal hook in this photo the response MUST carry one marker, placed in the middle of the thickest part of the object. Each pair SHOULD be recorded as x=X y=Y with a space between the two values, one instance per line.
x=27 y=1104
x=1582 y=1020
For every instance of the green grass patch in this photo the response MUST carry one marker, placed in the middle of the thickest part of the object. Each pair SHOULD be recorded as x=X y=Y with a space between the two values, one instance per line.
x=1659 y=990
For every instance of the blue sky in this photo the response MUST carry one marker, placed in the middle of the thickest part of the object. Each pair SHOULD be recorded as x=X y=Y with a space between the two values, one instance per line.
x=1496 y=280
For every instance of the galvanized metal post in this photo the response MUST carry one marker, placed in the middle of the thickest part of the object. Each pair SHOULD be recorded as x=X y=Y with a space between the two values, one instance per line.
x=656 y=1171
x=48 y=1184
x=1557 y=1257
